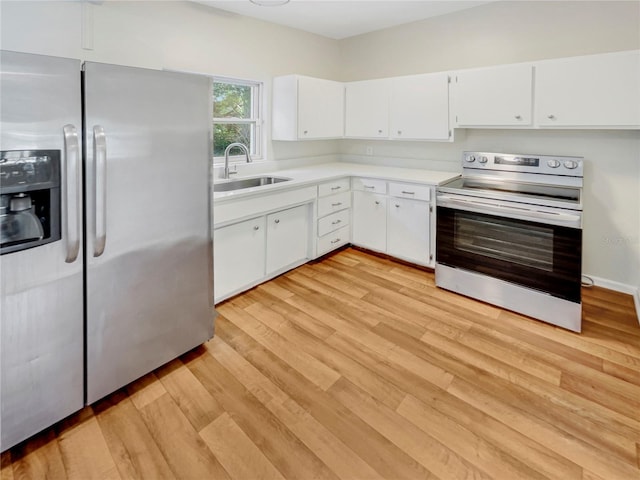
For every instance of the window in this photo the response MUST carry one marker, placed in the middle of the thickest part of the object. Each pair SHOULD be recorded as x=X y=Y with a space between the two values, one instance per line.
x=236 y=117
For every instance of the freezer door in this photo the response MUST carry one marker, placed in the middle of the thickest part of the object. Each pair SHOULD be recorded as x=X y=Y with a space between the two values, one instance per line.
x=149 y=250
x=41 y=302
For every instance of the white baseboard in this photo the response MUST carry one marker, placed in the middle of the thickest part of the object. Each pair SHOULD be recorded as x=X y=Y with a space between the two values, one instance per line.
x=619 y=287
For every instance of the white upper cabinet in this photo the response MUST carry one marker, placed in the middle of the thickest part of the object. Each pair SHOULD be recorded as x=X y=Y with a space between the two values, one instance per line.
x=494 y=96
x=419 y=107
x=367 y=109
x=307 y=108
x=591 y=91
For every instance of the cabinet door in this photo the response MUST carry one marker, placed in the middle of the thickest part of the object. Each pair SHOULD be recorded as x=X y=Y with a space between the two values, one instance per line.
x=408 y=230
x=596 y=90
x=320 y=108
x=367 y=109
x=287 y=238
x=239 y=255
x=495 y=96
x=369 y=220
x=419 y=107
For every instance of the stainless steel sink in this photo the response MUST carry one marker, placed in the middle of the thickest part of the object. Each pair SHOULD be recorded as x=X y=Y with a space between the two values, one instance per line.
x=247 y=183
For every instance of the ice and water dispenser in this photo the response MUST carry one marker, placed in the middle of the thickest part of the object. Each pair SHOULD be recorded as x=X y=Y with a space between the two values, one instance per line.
x=29 y=199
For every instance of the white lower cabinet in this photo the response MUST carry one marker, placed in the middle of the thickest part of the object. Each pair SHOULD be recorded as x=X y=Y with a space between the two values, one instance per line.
x=408 y=230
x=251 y=251
x=398 y=223
x=239 y=253
x=369 y=220
x=287 y=238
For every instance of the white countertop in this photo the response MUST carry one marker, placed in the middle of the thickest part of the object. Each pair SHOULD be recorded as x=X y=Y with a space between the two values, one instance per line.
x=328 y=171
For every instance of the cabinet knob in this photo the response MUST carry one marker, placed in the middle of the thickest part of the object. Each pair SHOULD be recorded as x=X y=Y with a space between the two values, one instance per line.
x=551 y=117
x=306 y=131
x=377 y=202
x=399 y=132
x=277 y=220
x=256 y=227
x=518 y=117
x=397 y=205
x=379 y=131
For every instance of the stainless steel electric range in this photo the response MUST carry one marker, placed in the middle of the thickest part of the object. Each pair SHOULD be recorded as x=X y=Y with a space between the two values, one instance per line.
x=509 y=232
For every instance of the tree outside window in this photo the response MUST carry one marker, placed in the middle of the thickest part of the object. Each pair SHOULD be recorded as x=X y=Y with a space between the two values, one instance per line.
x=236 y=116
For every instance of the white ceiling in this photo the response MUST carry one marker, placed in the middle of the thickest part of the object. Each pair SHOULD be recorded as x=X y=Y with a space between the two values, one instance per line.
x=343 y=18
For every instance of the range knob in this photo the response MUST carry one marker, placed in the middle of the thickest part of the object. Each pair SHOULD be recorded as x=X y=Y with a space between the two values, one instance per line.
x=570 y=164
x=553 y=163
x=483 y=159
x=471 y=158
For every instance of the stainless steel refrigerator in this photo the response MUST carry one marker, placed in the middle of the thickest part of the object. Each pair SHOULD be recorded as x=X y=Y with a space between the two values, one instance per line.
x=126 y=283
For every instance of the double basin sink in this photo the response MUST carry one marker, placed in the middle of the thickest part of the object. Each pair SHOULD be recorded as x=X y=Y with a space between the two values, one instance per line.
x=242 y=183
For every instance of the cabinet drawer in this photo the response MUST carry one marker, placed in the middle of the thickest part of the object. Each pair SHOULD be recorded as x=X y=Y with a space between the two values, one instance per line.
x=333 y=240
x=336 y=186
x=410 y=190
x=333 y=222
x=372 y=185
x=333 y=203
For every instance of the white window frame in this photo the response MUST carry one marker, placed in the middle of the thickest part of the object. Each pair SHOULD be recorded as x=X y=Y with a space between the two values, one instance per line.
x=257 y=141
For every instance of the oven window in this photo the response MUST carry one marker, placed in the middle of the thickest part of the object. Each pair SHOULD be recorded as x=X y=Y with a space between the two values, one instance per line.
x=547 y=258
x=528 y=245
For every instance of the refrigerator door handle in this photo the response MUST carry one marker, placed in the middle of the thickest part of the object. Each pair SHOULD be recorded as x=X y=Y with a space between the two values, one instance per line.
x=100 y=189
x=72 y=179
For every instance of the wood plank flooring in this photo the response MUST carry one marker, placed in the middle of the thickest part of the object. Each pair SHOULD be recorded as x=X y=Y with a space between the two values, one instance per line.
x=357 y=367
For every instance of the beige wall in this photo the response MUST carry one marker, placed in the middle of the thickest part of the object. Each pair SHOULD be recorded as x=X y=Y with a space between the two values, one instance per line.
x=492 y=34
x=176 y=35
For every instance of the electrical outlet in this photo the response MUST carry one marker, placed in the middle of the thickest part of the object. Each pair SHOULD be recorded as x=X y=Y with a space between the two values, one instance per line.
x=369 y=150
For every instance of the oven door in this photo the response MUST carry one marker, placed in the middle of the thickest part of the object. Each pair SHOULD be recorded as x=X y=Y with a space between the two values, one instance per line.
x=523 y=251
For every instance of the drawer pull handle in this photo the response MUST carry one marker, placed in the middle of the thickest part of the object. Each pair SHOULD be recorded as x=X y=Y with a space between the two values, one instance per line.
x=335 y=241
x=336 y=204
x=369 y=186
x=336 y=188
x=336 y=222
x=408 y=193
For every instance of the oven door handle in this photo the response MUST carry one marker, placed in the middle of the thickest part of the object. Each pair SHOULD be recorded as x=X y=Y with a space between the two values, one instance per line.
x=556 y=218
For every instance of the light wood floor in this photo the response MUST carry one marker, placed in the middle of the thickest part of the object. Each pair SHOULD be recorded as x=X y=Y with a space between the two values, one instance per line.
x=357 y=367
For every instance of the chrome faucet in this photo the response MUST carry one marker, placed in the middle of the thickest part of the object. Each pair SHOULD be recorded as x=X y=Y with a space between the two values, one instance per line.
x=242 y=147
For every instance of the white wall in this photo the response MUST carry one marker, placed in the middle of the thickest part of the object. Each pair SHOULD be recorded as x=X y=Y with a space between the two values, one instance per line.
x=175 y=35
x=512 y=32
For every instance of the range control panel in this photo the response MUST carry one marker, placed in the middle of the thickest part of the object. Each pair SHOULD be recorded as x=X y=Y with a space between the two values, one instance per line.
x=547 y=164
